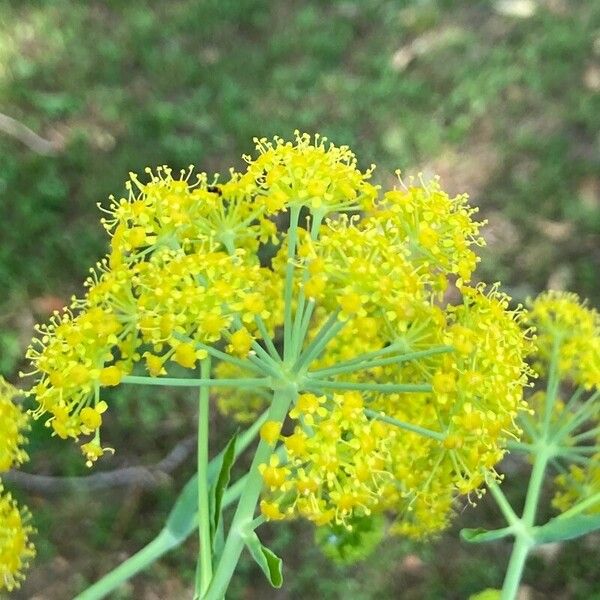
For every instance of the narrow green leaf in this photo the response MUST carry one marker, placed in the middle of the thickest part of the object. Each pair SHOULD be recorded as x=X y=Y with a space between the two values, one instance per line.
x=566 y=528
x=480 y=535
x=226 y=462
x=182 y=519
x=266 y=559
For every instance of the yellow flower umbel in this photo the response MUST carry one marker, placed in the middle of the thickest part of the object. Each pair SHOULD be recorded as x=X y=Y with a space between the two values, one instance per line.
x=569 y=345
x=310 y=172
x=398 y=400
x=561 y=318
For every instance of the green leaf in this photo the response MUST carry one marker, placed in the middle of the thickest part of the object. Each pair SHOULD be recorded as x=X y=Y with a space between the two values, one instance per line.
x=183 y=518
x=480 y=535
x=266 y=559
x=566 y=528
x=226 y=462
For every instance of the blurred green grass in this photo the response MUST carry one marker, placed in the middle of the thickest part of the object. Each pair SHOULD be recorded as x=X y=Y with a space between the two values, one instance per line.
x=505 y=108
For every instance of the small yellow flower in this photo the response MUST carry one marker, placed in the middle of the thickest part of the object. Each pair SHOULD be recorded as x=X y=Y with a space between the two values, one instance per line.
x=269 y=432
x=240 y=342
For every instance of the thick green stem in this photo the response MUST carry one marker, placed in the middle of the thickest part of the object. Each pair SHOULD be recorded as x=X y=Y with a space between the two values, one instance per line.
x=244 y=515
x=204 y=572
x=514 y=572
x=159 y=546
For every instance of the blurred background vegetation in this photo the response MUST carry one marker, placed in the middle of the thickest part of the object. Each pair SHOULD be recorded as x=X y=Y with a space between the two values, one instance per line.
x=500 y=98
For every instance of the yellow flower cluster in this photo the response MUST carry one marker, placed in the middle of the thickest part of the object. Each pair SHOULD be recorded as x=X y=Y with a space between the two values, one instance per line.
x=436 y=230
x=579 y=484
x=15 y=548
x=337 y=462
x=14 y=424
x=475 y=397
x=568 y=340
x=561 y=319
x=404 y=400
x=310 y=173
x=174 y=279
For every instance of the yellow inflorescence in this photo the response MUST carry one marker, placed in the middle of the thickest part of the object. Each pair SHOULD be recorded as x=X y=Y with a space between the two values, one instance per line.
x=561 y=318
x=436 y=230
x=189 y=269
x=15 y=548
x=569 y=332
x=477 y=395
x=311 y=173
x=14 y=424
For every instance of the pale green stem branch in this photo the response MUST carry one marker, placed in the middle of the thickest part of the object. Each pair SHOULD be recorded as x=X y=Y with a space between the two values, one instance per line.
x=352 y=366
x=204 y=572
x=327 y=332
x=383 y=388
x=581 y=506
x=423 y=431
x=502 y=502
x=177 y=382
x=267 y=339
x=289 y=281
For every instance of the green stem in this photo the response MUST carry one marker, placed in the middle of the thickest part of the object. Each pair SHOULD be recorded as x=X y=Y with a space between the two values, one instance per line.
x=327 y=332
x=502 y=502
x=289 y=281
x=429 y=433
x=370 y=355
x=243 y=364
x=552 y=385
x=158 y=547
x=306 y=317
x=585 y=412
x=521 y=447
x=354 y=365
x=581 y=506
x=516 y=564
x=545 y=453
x=282 y=399
x=179 y=382
x=267 y=339
x=204 y=572
x=297 y=335
x=165 y=540
x=590 y=433
x=522 y=529
x=383 y=388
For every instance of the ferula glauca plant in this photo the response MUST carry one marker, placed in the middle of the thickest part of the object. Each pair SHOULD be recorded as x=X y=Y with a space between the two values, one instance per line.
x=310 y=305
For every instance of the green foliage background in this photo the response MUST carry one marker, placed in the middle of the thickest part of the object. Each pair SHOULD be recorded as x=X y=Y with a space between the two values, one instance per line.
x=504 y=107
